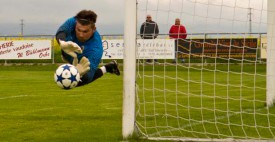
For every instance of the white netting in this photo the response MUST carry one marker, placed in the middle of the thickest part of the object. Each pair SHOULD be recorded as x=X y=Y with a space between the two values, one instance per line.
x=219 y=92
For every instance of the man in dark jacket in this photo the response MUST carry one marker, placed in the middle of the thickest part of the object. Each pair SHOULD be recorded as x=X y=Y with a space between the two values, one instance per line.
x=149 y=30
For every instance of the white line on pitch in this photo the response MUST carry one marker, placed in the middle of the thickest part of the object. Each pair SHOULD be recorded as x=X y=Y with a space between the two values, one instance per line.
x=11 y=97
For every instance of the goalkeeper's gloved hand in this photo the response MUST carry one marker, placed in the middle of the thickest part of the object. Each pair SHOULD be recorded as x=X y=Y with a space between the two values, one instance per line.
x=83 y=67
x=71 y=49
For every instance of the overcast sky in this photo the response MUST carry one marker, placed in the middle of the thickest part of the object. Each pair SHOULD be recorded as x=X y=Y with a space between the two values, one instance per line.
x=45 y=16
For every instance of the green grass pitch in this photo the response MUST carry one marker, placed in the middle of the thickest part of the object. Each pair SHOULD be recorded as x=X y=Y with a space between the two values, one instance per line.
x=34 y=108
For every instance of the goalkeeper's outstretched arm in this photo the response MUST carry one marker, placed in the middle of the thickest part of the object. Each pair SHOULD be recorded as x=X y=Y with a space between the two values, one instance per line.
x=60 y=36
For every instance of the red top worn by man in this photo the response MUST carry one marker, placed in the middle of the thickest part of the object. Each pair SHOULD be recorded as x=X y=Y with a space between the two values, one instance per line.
x=176 y=32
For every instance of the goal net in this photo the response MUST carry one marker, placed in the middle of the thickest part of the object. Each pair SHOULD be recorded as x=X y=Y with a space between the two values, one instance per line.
x=215 y=85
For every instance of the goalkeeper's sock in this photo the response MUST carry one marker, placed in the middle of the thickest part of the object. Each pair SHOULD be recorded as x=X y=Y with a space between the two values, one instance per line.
x=98 y=74
x=109 y=68
x=103 y=69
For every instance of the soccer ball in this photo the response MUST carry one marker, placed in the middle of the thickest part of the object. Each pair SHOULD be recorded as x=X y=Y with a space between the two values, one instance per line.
x=66 y=76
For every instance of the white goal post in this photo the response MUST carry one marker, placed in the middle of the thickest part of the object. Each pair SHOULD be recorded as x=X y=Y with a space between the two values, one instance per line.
x=270 y=95
x=129 y=69
x=223 y=91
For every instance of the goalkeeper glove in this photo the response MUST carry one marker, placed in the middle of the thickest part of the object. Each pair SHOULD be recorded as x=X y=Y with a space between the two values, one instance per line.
x=71 y=49
x=83 y=67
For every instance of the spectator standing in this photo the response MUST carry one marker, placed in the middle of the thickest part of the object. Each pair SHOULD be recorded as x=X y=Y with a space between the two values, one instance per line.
x=177 y=32
x=149 y=30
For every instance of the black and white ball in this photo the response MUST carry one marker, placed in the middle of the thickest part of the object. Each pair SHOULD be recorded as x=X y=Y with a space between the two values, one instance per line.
x=66 y=76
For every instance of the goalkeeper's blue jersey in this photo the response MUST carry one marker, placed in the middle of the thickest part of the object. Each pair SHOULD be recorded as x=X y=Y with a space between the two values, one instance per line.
x=92 y=49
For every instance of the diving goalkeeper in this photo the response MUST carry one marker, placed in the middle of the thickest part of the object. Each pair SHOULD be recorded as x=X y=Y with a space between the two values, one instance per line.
x=81 y=45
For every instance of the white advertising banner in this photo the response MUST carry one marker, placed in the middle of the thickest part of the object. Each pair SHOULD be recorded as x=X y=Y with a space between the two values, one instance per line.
x=263 y=47
x=146 y=49
x=25 y=49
